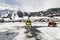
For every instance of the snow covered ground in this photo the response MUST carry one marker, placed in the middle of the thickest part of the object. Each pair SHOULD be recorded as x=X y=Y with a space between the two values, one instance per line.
x=50 y=33
x=13 y=31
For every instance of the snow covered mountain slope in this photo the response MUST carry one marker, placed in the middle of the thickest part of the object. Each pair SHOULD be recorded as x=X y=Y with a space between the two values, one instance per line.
x=9 y=11
x=11 y=14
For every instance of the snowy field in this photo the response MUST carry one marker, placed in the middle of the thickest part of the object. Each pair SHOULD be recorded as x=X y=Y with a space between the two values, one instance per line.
x=13 y=31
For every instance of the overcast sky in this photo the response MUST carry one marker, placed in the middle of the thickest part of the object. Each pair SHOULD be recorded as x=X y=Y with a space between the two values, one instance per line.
x=33 y=5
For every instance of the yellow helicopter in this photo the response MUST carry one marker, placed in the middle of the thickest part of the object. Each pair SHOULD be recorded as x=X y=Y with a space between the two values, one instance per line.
x=28 y=24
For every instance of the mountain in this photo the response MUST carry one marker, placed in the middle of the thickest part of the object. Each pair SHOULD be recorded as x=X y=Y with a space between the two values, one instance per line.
x=14 y=15
x=53 y=12
x=19 y=15
x=48 y=12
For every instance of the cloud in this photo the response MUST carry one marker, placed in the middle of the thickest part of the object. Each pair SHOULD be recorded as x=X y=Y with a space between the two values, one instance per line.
x=51 y=4
x=38 y=5
x=33 y=5
x=7 y=6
